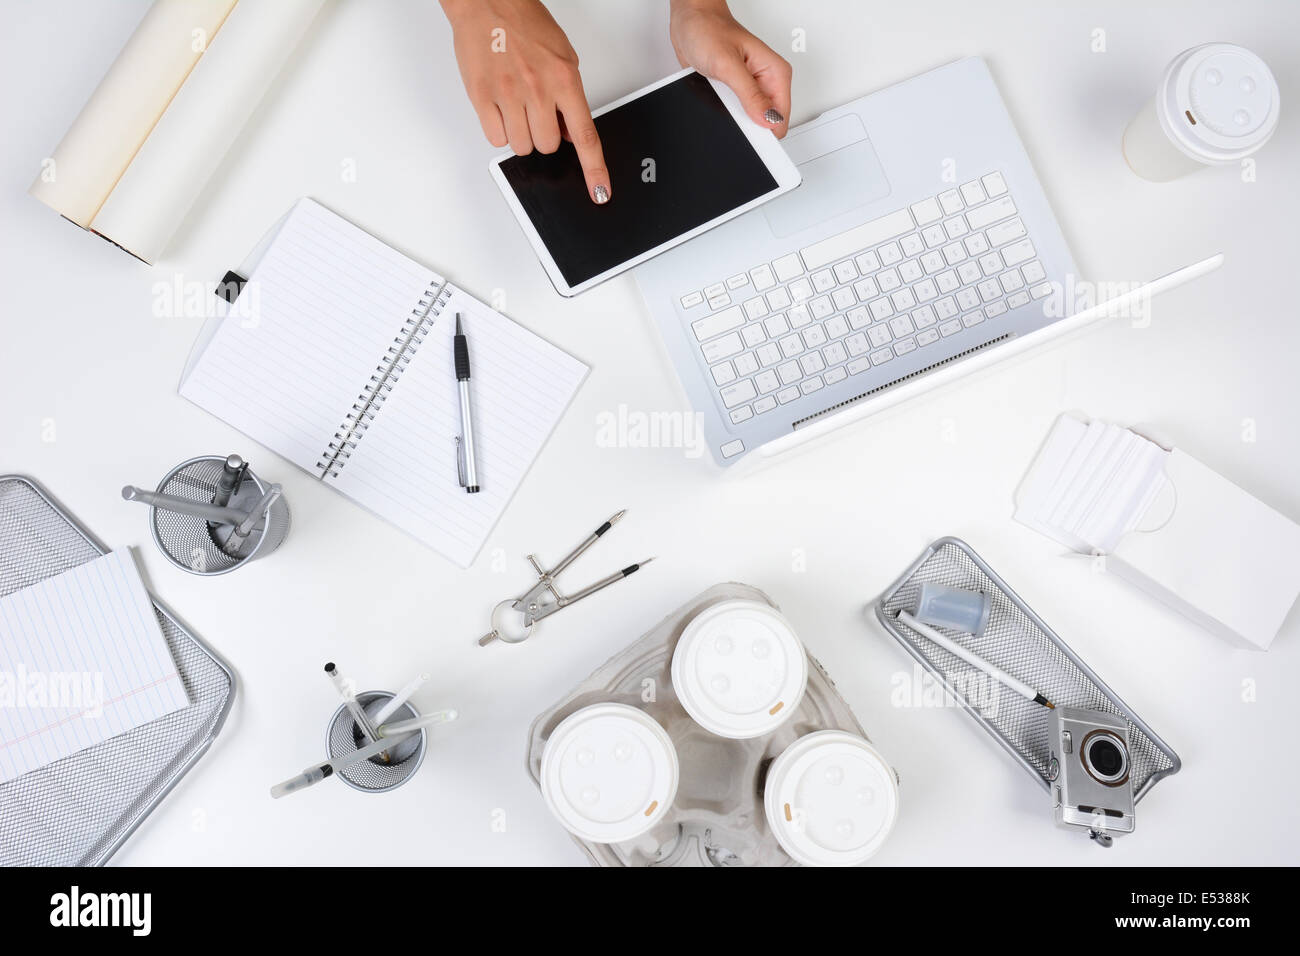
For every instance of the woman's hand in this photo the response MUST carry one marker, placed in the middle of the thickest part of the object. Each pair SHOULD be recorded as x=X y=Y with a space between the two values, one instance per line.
x=707 y=37
x=522 y=76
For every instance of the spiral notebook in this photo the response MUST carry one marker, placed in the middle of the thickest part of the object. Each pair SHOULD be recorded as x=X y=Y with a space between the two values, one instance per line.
x=339 y=357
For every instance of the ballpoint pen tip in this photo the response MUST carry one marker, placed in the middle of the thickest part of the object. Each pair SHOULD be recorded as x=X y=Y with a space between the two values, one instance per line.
x=458 y=331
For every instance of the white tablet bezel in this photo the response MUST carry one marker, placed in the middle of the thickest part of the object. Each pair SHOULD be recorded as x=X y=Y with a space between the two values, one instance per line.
x=763 y=142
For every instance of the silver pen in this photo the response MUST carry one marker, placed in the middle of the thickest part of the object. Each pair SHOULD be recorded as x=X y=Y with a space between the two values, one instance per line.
x=466 y=466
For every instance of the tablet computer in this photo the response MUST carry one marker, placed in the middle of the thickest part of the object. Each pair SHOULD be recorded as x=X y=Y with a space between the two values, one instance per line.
x=682 y=157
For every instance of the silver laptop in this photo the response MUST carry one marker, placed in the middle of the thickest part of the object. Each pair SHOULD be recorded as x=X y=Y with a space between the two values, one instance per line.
x=919 y=239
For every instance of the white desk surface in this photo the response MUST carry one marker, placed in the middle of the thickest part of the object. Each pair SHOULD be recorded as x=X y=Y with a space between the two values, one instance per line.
x=85 y=356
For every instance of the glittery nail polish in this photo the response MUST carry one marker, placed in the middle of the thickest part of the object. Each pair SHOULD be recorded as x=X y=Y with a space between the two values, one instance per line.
x=601 y=195
x=773 y=117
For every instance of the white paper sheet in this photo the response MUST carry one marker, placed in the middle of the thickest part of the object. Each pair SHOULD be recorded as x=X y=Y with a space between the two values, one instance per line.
x=82 y=659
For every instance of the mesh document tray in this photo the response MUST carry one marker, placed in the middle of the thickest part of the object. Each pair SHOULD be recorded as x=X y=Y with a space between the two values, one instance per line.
x=1016 y=640
x=77 y=811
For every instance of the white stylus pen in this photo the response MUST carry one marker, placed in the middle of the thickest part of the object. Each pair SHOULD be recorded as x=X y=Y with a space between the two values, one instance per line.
x=999 y=675
x=400 y=698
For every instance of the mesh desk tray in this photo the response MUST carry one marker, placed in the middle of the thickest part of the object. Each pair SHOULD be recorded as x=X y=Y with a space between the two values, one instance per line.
x=1018 y=641
x=79 y=810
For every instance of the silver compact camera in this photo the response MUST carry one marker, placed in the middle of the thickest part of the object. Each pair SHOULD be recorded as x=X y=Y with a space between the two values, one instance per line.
x=1090 y=772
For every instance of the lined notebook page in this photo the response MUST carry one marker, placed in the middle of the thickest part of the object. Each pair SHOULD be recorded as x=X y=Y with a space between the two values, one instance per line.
x=82 y=659
x=404 y=468
x=327 y=301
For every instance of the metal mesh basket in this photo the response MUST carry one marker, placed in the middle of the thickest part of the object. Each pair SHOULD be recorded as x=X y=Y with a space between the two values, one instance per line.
x=1016 y=640
x=188 y=542
x=373 y=775
x=79 y=810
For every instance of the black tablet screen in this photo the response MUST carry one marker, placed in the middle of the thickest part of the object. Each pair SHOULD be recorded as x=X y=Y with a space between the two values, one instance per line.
x=676 y=160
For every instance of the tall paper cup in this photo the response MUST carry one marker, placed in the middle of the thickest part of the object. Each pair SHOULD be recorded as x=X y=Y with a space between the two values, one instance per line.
x=1216 y=104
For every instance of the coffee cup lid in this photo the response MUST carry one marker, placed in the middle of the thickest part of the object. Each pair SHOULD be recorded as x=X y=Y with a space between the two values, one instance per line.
x=830 y=799
x=1219 y=102
x=609 y=772
x=739 y=669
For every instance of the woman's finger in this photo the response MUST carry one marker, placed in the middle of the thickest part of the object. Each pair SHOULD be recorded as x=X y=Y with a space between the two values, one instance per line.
x=582 y=133
x=516 y=120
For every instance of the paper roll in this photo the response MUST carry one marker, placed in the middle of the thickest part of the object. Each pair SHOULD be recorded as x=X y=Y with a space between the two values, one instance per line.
x=126 y=105
x=194 y=133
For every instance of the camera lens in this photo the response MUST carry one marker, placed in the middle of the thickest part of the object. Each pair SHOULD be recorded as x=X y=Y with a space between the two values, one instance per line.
x=1105 y=758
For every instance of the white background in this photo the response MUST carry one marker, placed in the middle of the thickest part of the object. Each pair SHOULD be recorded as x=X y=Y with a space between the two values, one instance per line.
x=376 y=83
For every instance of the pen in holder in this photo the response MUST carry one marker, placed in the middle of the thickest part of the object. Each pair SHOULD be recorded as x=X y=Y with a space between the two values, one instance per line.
x=211 y=515
x=374 y=775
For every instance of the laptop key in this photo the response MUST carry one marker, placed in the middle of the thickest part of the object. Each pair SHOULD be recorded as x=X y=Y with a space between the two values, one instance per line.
x=768 y=354
x=787 y=395
x=739 y=393
x=926 y=212
x=742 y=414
x=722 y=348
x=787 y=267
x=763 y=278
x=810 y=385
x=994 y=184
x=981 y=217
x=719 y=322
x=691 y=299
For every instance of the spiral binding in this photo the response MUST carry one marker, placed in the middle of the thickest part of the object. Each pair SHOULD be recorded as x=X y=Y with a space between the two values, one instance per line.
x=395 y=360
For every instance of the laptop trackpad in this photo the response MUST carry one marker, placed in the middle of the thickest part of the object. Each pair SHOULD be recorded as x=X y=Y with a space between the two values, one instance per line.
x=840 y=172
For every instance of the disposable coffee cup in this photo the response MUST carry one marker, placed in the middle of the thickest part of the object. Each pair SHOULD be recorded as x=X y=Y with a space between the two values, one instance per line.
x=609 y=773
x=1216 y=104
x=739 y=669
x=830 y=799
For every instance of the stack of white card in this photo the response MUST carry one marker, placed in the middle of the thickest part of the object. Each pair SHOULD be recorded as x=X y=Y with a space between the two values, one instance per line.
x=1168 y=524
x=1091 y=484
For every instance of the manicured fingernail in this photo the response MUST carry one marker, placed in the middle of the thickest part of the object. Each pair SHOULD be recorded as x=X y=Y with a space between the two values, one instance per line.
x=773 y=117
x=601 y=195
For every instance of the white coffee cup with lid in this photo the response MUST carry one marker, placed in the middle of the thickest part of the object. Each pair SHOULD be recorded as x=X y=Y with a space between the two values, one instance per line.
x=609 y=773
x=1216 y=104
x=739 y=669
x=830 y=799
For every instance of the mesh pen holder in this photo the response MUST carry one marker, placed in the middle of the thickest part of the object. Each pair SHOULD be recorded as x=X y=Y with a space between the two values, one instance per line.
x=373 y=775
x=195 y=544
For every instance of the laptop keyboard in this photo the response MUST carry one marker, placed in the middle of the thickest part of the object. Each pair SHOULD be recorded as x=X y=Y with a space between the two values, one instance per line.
x=864 y=297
